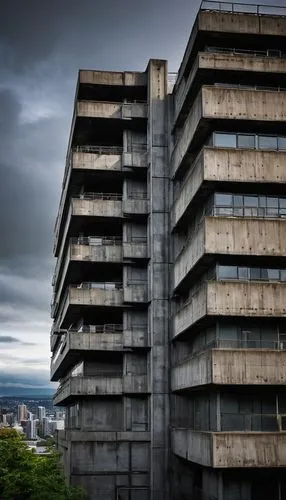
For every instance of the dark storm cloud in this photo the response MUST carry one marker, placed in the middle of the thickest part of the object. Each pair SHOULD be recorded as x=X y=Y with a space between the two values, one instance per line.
x=10 y=340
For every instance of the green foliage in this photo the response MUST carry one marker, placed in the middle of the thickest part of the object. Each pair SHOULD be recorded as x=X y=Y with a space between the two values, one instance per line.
x=27 y=476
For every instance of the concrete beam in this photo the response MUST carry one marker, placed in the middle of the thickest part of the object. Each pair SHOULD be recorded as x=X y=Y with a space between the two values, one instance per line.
x=231 y=236
x=231 y=367
x=231 y=298
x=231 y=449
x=113 y=78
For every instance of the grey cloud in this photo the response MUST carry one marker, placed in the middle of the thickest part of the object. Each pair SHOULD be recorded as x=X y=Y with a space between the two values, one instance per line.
x=7 y=339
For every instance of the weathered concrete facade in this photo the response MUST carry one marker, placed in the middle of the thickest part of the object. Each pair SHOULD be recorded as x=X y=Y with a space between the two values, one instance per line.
x=111 y=295
x=169 y=306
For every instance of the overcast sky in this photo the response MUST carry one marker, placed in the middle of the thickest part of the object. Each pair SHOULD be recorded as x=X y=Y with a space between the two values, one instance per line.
x=43 y=43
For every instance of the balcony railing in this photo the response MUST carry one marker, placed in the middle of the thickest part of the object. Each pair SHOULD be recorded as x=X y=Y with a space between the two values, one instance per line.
x=236 y=344
x=107 y=328
x=99 y=196
x=234 y=422
x=247 y=52
x=96 y=240
x=242 y=8
x=88 y=285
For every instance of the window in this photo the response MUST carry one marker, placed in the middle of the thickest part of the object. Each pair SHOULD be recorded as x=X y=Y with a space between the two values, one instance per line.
x=282 y=143
x=267 y=142
x=223 y=200
x=272 y=274
x=225 y=140
x=227 y=272
x=255 y=273
x=246 y=141
x=251 y=201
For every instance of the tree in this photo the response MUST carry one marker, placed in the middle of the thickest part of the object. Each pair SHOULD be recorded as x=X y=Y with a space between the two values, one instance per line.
x=24 y=475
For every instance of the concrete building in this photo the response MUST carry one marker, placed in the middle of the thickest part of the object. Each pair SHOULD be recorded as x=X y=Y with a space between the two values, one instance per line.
x=41 y=413
x=22 y=413
x=169 y=289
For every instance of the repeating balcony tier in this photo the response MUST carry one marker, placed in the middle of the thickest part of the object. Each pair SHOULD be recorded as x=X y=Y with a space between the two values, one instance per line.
x=218 y=103
x=76 y=344
x=110 y=110
x=77 y=298
x=207 y=63
x=221 y=23
x=231 y=449
x=231 y=298
x=230 y=366
x=231 y=236
x=101 y=385
x=112 y=78
x=101 y=206
x=218 y=165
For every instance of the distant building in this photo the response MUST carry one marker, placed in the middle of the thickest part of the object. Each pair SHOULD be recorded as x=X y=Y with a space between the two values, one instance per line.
x=31 y=431
x=41 y=412
x=22 y=413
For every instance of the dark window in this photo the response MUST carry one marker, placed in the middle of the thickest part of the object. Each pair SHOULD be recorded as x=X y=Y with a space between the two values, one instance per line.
x=255 y=273
x=267 y=142
x=227 y=272
x=225 y=140
x=246 y=141
x=223 y=200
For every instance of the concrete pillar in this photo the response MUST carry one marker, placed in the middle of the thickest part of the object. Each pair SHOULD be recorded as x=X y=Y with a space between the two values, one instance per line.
x=158 y=277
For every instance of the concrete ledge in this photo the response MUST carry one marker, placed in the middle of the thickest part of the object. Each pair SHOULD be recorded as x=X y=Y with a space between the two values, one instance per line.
x=231 y=449
x=231 y=367
x=84 y=436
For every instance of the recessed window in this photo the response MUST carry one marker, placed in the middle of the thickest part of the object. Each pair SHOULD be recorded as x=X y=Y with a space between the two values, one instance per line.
x=227 y=272
x=246 y=141
x=272 y=274
x=267 y=142
x=251 y=201
x=225 y=140
x=281 y=143
x=223 y=200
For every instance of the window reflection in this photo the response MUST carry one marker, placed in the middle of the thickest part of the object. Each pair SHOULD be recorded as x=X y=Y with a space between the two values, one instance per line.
x=225 y=204
x=250 y=273
x=248 y=141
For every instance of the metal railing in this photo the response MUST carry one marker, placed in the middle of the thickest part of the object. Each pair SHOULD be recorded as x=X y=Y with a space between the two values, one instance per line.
x=241 y=86
x=243 y=8
x=98 y=196
x=244 y=211
x=240 y=51
x=88 y=285
x=106 y=328
x=101 y=150
x=243 y=344
x=96 y=240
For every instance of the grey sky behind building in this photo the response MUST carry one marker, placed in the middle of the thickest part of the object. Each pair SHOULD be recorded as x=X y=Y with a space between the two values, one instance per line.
x=43 y=43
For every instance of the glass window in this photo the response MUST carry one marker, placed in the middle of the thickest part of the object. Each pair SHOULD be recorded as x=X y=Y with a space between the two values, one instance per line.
x=272 y=212
x=283 y=275
x=273 y=274
x=262 y=201
x=223 y=200
x=238 y=212
x=282 y=202
x=282 y=143
x=255 y=273
x=264 y=274
x=238 y=201
x=267 y=142
x=251 y=201
x=225 y=140
x=246 y=141
x=272 y=202
x=243 y=273
x=224 y=211
x=227 y=272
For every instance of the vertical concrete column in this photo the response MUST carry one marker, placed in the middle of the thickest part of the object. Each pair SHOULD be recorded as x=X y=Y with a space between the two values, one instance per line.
x=158 y=272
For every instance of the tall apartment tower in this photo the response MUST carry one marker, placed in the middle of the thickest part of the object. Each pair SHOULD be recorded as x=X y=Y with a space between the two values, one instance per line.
x=169 y=306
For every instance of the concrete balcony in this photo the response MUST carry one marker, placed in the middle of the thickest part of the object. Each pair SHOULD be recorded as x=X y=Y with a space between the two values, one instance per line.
x=77 y=387
x=135 y=249
x=216 y=165
x=100 y=385
x=231 y=236
x=74 y=345
x=137 y=293
x=224 y=62
x=112 y=78
x=110 y=110
x=88 y=295
x=135 y=206
x=229 y=366
x=135 y=384
x=231 y=449
x=247 y=23
x=97 y=205
x=231 y=298
x=225 y=103
x=107 y=158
